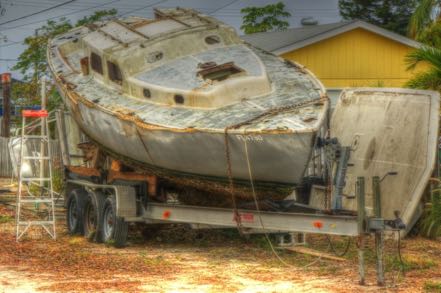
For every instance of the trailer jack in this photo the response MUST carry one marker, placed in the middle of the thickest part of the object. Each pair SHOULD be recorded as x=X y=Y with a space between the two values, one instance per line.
x=376 y=225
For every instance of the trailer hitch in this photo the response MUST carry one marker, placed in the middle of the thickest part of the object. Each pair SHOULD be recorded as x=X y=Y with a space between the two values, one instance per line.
x=396 y=224
x=380 y=224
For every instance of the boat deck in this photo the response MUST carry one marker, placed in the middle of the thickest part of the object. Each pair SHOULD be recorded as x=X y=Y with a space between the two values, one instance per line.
x=291 y=88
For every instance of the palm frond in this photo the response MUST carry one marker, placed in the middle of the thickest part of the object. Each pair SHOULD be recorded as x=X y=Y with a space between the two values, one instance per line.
x=429 y=80
x=424 y=54
x=421 y=17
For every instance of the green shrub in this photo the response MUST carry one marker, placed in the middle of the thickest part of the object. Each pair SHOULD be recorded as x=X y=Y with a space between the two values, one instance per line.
x=431 y=286
x=431 y=219
x=5 y=219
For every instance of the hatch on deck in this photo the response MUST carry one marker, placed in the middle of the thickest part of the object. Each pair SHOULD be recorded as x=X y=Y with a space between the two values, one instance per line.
x=212 y=71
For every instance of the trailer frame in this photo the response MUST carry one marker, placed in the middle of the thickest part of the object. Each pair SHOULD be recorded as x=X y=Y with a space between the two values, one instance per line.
x=256 y=221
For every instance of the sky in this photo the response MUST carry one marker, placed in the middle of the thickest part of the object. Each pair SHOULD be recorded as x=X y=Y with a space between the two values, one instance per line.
x=16 y=24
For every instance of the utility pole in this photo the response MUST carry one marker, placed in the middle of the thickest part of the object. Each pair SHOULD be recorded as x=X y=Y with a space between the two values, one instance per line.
x=6 y=86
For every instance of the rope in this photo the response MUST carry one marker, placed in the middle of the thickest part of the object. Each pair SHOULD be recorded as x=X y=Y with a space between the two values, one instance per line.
x=399 y=253
x=271 y=111
x=348 y=244
x=237 y=218
x=261 y=221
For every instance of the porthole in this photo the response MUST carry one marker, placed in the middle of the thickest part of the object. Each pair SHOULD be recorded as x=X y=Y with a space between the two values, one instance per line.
x=213 y=39
x=154 y=56
x=146 y=93
x=179 y=99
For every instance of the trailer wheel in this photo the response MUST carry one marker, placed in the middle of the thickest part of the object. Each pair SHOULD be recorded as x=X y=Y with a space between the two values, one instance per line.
x=92 y=216
x=75 y=206
x=115 y=229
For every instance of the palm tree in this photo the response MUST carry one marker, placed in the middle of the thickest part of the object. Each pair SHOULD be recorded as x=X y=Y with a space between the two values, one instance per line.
x=425 y=26
x=426 y=15
x=430 y=79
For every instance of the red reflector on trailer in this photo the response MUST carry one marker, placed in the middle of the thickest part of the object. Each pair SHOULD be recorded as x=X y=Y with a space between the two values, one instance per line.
x=317 y=224
x=246 y=217
x=166 y=214
x=34 y=113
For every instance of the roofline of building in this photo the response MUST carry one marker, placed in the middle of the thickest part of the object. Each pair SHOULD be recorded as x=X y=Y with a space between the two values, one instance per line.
x=348 y=26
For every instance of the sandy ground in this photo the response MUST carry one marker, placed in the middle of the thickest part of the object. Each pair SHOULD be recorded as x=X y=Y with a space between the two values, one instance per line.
x=178 y=259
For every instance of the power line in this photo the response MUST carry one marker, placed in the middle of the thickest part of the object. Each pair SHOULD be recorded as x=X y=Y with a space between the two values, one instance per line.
x=38 y=12
x=66 y=14
x=11 y=44
x=61 y=15
x=140 y=8
x=222 y=7
x=35 y=5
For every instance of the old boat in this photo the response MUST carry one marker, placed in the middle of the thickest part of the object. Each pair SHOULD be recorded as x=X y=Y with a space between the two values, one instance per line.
x=183 y=97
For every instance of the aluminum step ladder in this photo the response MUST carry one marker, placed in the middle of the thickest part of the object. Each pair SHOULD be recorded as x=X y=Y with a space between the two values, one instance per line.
x=35 y=172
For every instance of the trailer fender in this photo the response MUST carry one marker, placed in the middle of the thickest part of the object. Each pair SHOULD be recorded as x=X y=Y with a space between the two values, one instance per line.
x=125 y=201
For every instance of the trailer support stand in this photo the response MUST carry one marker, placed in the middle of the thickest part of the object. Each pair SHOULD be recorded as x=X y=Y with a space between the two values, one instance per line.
x=361 y=228
x=379 y=234
x=340 y=178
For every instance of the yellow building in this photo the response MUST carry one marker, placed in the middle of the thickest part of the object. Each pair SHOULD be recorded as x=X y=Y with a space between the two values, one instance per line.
x=344 y=54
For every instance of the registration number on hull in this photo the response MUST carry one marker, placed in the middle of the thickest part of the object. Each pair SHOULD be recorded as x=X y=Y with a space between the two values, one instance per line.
x=249 y=138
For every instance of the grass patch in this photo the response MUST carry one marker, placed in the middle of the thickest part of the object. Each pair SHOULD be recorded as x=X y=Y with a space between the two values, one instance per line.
x=76 y=240
x=110 y=243
x=431 y=286
x=409 y=263
x=156 y=261
x=232 y=234
x=5 y=219
x=260 y=241
x=430 y=223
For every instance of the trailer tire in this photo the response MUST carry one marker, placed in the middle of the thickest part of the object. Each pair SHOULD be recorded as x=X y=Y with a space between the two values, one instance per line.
x=115 y=229
x=74 y=211
x=92 y=216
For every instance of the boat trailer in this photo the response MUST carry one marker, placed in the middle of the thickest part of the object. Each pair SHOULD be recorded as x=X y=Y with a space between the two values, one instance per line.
x=359 y=226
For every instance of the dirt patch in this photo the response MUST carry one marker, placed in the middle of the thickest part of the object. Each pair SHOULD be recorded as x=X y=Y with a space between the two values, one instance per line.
x=178 y=259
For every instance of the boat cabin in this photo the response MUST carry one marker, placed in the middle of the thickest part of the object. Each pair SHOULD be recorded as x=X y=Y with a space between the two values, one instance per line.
x=179 y=58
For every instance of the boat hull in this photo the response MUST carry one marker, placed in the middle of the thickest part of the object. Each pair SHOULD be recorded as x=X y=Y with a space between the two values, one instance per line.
x=267 y=158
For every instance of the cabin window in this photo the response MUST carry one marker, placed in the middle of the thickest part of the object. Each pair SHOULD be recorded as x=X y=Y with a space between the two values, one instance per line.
x=179 y=99
x=211 y=40
x=114 y=72
x=95 y=63
x=146 y=93
x=220 y=72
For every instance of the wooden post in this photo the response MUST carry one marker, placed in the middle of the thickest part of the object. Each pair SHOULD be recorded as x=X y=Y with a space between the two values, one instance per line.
x=6 y=121
x=379 y=235
x=62 y=137
x=361 y=228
